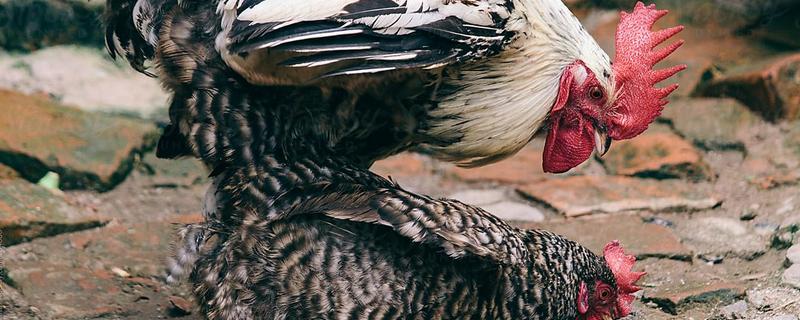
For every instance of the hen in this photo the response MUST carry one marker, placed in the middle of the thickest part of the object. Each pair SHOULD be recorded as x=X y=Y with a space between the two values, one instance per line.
x=385 y=255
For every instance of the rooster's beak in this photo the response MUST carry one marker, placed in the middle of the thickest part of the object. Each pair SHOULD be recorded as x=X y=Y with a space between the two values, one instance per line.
x=601 y=141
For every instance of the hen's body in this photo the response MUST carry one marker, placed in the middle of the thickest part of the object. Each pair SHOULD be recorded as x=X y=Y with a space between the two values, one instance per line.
x=313 y=267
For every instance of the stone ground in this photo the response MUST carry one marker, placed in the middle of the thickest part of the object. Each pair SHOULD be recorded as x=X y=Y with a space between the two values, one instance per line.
x=708 y=199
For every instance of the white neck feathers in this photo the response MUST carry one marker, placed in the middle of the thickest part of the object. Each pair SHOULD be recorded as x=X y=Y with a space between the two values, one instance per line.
x=505 y=99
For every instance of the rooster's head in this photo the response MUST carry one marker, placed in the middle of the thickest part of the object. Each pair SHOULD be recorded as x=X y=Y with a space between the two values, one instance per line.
x=593 y=109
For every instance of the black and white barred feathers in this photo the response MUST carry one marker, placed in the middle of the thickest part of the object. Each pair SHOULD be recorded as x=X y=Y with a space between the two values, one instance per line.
x=288 y=102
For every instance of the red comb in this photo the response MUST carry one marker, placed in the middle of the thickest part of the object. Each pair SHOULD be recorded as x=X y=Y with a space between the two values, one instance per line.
x=621 y=265
x=639 y=102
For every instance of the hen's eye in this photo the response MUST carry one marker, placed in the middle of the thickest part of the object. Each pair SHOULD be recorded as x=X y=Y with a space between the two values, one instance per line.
x=596 y=93
x=604 y=294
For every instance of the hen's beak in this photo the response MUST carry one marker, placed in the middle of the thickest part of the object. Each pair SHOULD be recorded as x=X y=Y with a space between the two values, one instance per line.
x=601 y=141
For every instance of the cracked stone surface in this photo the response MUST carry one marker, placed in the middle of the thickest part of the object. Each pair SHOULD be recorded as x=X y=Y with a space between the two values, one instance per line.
x=88 y=150
x=29 y=211
x=584 y=195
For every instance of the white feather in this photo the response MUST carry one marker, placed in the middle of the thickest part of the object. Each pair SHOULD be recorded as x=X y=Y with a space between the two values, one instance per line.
x=508 y=97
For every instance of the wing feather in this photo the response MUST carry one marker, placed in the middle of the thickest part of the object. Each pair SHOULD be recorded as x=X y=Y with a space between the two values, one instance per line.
x=360 y=36
x=458 y=229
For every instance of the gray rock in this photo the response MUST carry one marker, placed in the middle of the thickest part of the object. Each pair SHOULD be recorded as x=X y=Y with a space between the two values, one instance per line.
x=784 y=317
x=793 y=254
x=510 y=210
x=34 y=24
x=13 y=305
x=735 y=310
x=711 y=123
x=724 y=236
x=770 y=298
x=791 y=276
x=90 y=81
x=479 y=197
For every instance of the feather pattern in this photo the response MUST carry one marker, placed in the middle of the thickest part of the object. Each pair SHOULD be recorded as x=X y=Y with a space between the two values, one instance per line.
x=458 y=30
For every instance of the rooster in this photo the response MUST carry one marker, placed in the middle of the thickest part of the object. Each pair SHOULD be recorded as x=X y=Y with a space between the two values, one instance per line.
x=278 y=97
x=471 y=81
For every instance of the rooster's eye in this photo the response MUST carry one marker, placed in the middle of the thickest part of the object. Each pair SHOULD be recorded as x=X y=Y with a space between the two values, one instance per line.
x=596 y=93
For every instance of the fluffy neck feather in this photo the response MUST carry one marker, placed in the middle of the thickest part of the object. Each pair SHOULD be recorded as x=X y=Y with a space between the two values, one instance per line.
x=502 y=101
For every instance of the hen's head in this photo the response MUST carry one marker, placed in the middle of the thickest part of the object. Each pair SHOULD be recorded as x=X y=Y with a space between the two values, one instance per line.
x=600 y=299
x=587 y=115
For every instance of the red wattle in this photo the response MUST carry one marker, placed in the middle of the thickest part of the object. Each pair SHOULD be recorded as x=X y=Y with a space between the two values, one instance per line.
x=568 y=144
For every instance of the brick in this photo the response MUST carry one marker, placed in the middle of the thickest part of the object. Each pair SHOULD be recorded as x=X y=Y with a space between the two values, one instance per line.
x=768 y=87
x=88 y=150
x=584 y=195
x=643 y=240
x=660 y=155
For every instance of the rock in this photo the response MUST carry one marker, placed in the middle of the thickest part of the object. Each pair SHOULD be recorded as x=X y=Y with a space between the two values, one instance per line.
x=784 y=237
x=784 y=317
x=479 y=197
x=673 y=300
x=791 y=276
x=514 y=211
x=13 y=305
x=781 y=28
x=644 y=240
x=411 y=170
x=748 y=215
x=41 y=23
x=183 y=172
x=28 y=211
x=734 y=16
x=524 y=167
x=771 y=298
x=723 y=236
x=583 y=195
x=736 y=310
x=711 y=124
x=7 y=173
x=406 y=164
x=657 y=155
x=88 y=150
x=179 y=306
x=793 y=254
x=768 y=87
x=497 y=202
x=90 y=81
x=118 y=271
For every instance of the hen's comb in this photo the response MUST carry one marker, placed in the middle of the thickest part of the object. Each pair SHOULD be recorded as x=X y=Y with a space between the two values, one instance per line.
x=621 y=265
x=638 y=102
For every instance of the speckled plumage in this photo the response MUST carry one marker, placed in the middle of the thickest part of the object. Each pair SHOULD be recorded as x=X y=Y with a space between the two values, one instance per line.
x=298 y=227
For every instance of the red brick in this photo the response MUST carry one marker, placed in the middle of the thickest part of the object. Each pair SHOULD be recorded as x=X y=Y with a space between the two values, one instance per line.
x=523 y=167
x=583 y=195
x=88 y=150
x=402 y=165
x=641 y=239
x=659 y=155
x=769 y=87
